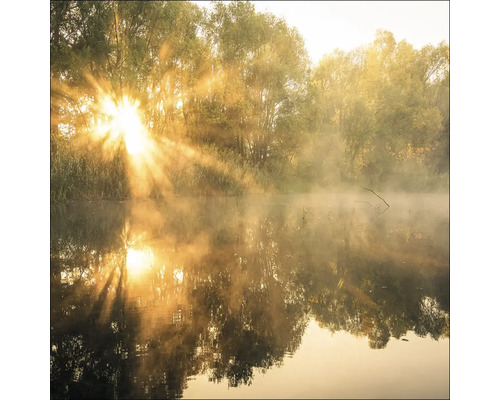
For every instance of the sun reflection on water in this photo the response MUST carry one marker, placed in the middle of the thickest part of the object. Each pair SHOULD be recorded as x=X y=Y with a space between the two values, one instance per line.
x=178 y=276
x=139 y=261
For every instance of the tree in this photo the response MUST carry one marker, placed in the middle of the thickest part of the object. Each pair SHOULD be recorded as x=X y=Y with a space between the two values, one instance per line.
x=382 y=103
x=263 y=63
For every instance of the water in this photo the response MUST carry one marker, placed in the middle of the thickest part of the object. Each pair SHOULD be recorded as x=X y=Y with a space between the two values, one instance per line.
x=324 y=296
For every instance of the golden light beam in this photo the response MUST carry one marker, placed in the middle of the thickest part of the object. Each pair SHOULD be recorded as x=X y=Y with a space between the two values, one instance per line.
x=116 y=120
x=124 y=122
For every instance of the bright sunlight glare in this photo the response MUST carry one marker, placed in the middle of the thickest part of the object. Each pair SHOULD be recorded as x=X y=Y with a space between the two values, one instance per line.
x=178 y=276
x=125 y=123
x=138 y=261
x=121 y=122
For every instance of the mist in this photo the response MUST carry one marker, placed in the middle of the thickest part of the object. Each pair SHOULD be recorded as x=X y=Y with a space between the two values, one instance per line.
x=196 y=106
x=214 y=196
x=190 y=274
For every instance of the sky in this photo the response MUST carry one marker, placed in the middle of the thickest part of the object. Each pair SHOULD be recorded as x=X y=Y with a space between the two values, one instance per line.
x=346 y=25
x=25 y=185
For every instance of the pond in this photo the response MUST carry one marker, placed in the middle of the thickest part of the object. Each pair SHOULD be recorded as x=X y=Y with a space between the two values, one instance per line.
x=270 y=296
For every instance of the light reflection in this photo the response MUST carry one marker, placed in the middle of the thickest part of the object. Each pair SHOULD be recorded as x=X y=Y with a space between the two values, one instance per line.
x=138 y=261
x=178 y=276
x=69 y=277
x=201 y=293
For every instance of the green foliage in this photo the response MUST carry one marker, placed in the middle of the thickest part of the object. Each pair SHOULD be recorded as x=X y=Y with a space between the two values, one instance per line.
x=77 y=174
x=388 y=104
x=239 y=83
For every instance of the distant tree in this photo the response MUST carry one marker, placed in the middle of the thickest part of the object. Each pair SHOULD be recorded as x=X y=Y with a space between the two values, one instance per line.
x=386 y=103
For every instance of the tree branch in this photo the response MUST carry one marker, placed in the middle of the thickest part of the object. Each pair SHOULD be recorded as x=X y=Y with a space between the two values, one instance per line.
x=362 y=187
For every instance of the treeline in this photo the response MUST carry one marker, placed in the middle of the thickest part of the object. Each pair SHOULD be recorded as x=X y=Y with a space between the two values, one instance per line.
x=237 y=88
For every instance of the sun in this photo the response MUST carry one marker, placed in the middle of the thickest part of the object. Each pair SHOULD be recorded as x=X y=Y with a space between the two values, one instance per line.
x=125 y=123
x=119 y=123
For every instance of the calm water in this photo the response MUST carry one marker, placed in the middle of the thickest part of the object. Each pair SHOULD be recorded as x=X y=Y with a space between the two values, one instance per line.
x=326 y=296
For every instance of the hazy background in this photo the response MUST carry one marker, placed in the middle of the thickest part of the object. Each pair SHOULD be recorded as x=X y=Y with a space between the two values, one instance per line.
x=327 y=25
x=472 y=163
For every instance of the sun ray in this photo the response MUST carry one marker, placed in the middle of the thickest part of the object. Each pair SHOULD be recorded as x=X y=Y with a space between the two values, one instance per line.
x=123 y=122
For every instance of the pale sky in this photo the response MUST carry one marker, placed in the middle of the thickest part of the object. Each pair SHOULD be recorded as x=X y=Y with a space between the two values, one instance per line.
x=26 y=179
x=327 y=25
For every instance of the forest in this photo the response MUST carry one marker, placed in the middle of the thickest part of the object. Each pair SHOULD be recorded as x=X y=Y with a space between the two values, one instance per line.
x=149 y=99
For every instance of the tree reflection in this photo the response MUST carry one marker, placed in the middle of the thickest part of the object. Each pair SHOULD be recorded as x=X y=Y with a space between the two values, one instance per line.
x=225 y=287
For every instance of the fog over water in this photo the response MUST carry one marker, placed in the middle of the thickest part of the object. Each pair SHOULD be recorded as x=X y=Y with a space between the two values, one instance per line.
x=231 y=211
x=146 y=296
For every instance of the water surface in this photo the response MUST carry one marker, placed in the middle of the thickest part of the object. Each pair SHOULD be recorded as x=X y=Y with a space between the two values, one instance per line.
x=325 y=296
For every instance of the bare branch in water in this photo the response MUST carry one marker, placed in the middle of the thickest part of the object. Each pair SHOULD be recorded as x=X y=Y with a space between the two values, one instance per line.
x=362 y=187
x=378 y=214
